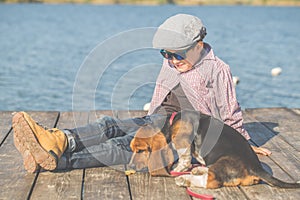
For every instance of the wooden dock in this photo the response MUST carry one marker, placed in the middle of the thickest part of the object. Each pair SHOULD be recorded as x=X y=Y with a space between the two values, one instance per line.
x=277 y=129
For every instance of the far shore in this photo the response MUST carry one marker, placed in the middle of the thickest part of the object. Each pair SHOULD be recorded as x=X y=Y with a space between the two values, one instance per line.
x=162 y=2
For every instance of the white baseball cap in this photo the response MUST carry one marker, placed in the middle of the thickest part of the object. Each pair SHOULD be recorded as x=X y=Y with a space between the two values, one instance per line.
x=179 y=32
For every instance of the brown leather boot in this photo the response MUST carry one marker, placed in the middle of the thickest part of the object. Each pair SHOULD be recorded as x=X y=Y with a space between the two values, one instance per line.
x=38 y=145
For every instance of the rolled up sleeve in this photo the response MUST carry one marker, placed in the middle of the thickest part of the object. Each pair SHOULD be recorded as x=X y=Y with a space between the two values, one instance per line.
x=226 y=101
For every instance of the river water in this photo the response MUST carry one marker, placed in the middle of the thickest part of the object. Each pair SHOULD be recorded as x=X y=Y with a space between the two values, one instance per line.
x=45 y=50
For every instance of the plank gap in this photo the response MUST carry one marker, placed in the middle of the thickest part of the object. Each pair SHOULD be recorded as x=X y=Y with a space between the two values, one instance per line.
x=10 y=130
x=128 y=183
x=57 y=119
x=34 y=182
x=278 y=135
x=278 y=164
x=243 y=192
x=82 y=185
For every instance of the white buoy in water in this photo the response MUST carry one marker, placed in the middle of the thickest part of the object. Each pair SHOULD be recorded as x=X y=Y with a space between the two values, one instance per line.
x=276 y=71
x=235 y=80
x=146 y=107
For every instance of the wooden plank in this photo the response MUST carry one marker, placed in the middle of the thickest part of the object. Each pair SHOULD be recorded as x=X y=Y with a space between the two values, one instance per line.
x=233 y=193
x=259 y=192
x=62 y=184
x=5 y=124
x=15 y=181
x=130 y=114
x=283 y=162
x=95 y=115
x=120 y=114
x=282 y=153
x=288 y=123
x=105 y=182
x=264 y=191
x=144 y=186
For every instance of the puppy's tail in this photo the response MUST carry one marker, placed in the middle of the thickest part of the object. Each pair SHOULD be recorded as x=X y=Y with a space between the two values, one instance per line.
x=271 y=180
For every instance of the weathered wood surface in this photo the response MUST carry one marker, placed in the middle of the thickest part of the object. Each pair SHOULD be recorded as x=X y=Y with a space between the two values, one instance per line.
x=62 y=185
x=5 y=125
x=15 y=182
x=268 y=128
x=104 y=182
x=277 y=129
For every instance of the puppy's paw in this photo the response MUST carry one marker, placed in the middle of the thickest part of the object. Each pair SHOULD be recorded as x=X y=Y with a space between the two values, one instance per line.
x=183 y=181
x=199 y=170
x=182 y=167
x=192 y=181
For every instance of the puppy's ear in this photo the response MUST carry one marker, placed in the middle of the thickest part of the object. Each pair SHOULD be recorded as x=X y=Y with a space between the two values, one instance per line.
x=158 y=141
x=132 y=145
x=157 y=162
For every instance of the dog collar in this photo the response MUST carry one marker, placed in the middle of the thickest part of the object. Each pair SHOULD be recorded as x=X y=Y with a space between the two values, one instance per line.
x=172 y=117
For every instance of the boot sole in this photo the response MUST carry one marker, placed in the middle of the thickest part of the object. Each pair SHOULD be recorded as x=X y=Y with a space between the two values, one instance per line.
x=28 y=145
x=28 y=161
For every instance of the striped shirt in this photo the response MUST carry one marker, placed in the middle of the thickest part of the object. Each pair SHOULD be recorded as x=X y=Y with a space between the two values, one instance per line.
x=208 y=87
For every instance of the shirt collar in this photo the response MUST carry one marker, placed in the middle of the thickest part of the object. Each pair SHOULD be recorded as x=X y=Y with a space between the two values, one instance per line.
x=209 y=55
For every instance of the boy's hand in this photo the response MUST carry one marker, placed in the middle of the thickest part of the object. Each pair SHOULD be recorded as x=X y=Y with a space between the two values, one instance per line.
x=260 y=150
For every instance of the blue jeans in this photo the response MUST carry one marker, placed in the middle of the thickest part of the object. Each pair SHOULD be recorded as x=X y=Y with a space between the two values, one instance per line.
x=104 y=143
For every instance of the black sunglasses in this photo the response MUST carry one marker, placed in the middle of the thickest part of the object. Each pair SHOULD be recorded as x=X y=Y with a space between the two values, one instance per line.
x=168 y=55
